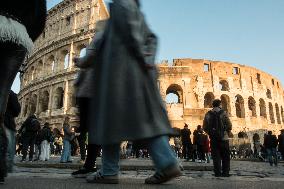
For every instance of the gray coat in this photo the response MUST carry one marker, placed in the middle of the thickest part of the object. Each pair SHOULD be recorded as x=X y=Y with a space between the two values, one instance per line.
x=85 y=83
x=127 y=104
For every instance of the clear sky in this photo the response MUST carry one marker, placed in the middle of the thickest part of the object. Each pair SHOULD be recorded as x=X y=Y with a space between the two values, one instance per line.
x=249 y=32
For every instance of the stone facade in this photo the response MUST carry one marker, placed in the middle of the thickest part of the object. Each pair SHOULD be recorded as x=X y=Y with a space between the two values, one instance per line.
x=253 y=98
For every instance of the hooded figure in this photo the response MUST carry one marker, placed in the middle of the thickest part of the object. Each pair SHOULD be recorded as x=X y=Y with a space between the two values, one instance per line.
x=127 y=103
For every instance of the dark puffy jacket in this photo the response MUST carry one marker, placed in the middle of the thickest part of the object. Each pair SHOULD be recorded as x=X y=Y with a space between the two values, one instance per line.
x=270 y=141
x=12 y=111
x=185 y=136
x=31 y=13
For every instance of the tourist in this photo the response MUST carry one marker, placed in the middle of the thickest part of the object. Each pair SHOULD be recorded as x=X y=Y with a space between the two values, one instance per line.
x=45 y=144
x=218 y=126
x=21 y=22
x=186 y=142
x=58 y=142
x=200 y=142
x=206 y=148
x=270 y=144
x=12 y=111
x=29 y=131
x=281 y=143
x=177 y=147
x=127 y=103
x=68 y=137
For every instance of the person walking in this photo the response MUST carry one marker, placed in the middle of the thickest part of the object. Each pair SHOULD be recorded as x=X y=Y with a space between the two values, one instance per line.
x=29 y=130
x=45 y=144
x=68 y=137
x=21 y=23
x=270 y=144
x=200 y=141
x=186 y=142
x=127 y=105
x=12 y=111
x=281 y=143
x=218 y=126
x=84 y=86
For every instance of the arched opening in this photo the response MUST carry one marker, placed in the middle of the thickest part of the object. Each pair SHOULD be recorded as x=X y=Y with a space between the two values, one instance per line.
x=224 y=85
x=39 y=69
x=44 y=101
x=252 y=106
x=174 y=94
x=240 y=107
x=262 y=108
x=50 y=64
x=83 y=52
x=268 y=94
x=66 y=60
x=33 y=73
x=282 y=114
x=277 y=113
x=226 y=104
x=208 y=100
x=33 y=104
x=26 y=107
x=58 y=98
x=271 y=113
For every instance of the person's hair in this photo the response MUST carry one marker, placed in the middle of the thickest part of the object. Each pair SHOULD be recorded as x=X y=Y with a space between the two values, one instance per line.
x=198 y=127
x=185 y=125
x=67 y=119
x=270 y=132
x=46 y=124
x=216 y=103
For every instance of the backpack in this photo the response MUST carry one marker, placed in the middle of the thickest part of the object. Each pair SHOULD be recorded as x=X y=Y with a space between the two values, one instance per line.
x=33 y=126
x=216 y=126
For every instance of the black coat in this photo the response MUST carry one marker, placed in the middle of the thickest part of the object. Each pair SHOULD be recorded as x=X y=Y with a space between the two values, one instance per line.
x=270 y=141
x=127 y=103
x=31 y=13
x=12 y=111
x=185 y=136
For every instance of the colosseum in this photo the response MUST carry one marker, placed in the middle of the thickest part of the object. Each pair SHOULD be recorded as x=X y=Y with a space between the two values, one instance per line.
x=253 y=99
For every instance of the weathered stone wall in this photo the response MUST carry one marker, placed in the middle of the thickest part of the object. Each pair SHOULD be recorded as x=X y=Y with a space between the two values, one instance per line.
x=253 y=98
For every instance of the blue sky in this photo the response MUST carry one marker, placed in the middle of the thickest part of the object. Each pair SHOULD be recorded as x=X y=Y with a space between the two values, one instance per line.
x=249 y=32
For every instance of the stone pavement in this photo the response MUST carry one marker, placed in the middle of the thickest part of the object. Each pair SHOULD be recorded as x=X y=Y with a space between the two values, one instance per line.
x=125 y=164
x=244 y=175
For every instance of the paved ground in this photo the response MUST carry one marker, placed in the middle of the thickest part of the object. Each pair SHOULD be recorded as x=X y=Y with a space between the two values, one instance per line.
x=244 y=175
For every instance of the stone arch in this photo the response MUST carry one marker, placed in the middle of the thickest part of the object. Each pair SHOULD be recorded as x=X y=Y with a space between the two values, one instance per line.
x=33 y=73
x=44 y=101
x=50 y=66
x=175 y=91
x=240 y=106
x=252 y=106
x=81 y=49
x=208 y=100
x=226 y=103
x=224 y=85
x=268 y=94
x=66 y=56
x=58 y=98
x=271 y=113
x=39 y=69
x=262 y=108
x=26 y=107
x=33 y=104
x=277 y=113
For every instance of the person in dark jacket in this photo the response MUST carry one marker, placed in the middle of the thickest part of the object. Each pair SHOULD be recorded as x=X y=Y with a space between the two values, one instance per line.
x=12 y=111
x=281 y=143
x=127 y=105
x=21 y=22
x=29 y=131
x=218 y=126
x=270 y=144
x=84 y=84
x=186 y=142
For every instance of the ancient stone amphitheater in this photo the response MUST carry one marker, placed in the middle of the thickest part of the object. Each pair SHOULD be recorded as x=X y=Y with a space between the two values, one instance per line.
x=253 y=98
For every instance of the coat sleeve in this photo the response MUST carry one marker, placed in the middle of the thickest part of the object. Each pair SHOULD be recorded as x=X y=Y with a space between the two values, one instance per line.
x=15 y=105
x=128 y=21
x=206 y=124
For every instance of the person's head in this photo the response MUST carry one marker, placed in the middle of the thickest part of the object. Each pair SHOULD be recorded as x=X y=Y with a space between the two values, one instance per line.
x=46 y=124
x=199 y=127
x=269 y=132
x=67 y=120
x=185 y=126
x=282 y=131
x=217 y=103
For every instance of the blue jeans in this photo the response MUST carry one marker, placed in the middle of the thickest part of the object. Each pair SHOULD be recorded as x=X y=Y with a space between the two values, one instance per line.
x=11 y=149
x=272 y=156
x=160 y=151
x=66 y=154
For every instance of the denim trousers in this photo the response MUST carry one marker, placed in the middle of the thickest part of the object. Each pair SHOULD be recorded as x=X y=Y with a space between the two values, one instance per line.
x=159 y=148
x=66 y=154
x=272 y=156
x=11 y=148
x=45 y=150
